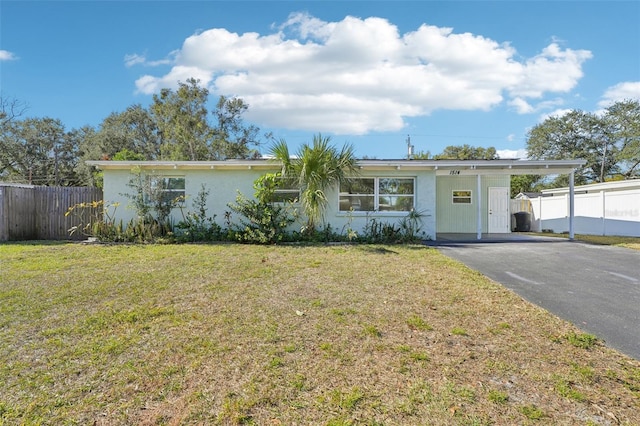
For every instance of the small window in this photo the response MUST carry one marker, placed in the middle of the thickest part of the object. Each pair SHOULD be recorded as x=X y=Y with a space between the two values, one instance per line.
x=286 y=192
x=169 y=188
x=461 y=197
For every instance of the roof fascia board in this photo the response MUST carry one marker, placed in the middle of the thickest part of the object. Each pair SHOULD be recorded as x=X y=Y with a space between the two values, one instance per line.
x=183 y=165
x=503 y=171
x=443 y=167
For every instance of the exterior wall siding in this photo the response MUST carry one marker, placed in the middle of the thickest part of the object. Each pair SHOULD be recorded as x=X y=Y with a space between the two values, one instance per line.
x=462 y=218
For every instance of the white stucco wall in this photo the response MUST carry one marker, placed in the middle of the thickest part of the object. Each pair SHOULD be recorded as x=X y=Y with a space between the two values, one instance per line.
x=224 y=184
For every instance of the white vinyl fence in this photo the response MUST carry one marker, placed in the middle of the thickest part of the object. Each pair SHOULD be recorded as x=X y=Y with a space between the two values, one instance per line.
x=595 y=213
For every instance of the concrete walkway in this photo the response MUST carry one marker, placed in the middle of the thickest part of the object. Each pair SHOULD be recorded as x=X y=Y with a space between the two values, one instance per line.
x=465 y=239
x=597 y=288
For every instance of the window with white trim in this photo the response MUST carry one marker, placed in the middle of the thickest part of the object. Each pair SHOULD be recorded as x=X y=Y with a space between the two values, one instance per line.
x=377 y=194
x=168 y=188
x=287 y=191
x=461 y=196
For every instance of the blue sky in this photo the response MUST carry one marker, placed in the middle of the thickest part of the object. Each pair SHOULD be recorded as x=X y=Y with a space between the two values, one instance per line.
x=369 y=73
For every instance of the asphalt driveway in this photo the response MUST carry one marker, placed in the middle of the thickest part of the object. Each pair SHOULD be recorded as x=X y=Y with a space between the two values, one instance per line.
x=597 y=288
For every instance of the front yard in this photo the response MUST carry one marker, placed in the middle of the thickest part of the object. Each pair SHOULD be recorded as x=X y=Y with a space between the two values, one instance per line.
x=281 y=335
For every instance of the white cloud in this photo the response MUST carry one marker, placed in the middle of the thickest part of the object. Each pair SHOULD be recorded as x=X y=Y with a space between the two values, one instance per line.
x=553 y=70
x=522 y=106
x=134 y=59
x=510 y=154
x=5 y=55
x=361 y=75
x=620 y=92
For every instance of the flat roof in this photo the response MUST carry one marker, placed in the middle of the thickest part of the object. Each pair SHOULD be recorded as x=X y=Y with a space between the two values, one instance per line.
x=441 y=167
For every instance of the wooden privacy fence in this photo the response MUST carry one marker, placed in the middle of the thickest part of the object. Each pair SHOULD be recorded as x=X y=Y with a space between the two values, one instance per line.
x=38 y=212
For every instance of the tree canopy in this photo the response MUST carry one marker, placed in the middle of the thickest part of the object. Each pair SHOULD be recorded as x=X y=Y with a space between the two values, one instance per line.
x=608 y=141
x=466 y=152
x=38 y=151
x=177 y=125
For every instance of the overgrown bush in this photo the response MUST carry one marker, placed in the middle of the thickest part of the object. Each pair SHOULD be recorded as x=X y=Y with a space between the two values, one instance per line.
x=407 y=230
x=196 y=225
x=262 y=221
x=103 y=226
x=87 y=216
x=149 y=198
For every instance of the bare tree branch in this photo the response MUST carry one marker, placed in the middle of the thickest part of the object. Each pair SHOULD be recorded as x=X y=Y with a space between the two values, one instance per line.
x=11 y=108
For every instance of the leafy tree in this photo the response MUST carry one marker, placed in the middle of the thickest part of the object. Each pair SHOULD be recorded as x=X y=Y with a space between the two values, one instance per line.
x=181 y=118
x=422 y=155
x=128 y=155
x=467 y=152
x=133 y=130
x=38 y=151
x=623 y=119
x=525 y=183
x=86 y=175
x=186 y=133
x=315 y=169
x=609 y=142
x=232 y=138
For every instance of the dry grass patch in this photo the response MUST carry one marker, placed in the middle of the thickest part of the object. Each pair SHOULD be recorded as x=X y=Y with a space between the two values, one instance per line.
x=335 y=335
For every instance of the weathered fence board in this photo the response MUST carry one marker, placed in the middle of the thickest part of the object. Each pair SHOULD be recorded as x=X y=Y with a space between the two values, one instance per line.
x=38 y=212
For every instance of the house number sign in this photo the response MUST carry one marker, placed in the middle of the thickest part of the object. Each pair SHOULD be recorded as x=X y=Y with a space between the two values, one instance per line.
x=454 y=172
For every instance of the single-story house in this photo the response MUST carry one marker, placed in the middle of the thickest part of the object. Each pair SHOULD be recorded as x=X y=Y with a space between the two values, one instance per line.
x=452 y=196
x=608 y=208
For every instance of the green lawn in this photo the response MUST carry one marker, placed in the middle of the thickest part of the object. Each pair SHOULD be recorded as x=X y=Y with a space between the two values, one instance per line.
x=281 y=335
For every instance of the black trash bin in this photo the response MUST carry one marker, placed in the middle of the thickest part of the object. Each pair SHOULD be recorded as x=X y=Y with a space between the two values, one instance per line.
x=523 y=221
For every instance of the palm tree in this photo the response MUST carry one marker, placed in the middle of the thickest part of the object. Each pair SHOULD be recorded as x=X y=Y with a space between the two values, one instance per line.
x=315 y=168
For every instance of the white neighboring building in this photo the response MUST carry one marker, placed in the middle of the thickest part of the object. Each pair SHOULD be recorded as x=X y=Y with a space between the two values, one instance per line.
x=610 y=208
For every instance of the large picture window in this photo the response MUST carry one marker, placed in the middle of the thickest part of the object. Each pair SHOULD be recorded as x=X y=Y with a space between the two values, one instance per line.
x=377 y=194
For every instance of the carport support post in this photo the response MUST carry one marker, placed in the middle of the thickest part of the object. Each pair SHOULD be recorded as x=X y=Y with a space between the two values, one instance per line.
x=479 y=206
x=571 y=204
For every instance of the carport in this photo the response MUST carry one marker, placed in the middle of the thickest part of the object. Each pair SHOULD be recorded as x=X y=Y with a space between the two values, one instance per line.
x=480 y=188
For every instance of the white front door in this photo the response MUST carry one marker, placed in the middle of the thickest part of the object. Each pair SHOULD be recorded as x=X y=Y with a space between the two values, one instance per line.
x=499 y=220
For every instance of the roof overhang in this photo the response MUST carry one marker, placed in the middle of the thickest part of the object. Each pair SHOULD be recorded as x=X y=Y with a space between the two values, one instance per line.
x=441 y=167
x=186 y=165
